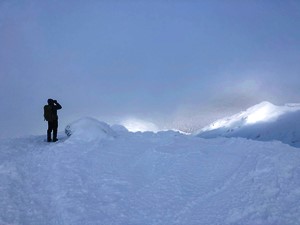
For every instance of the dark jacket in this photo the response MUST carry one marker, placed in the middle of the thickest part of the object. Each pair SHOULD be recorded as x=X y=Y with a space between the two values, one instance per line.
x=55 y=106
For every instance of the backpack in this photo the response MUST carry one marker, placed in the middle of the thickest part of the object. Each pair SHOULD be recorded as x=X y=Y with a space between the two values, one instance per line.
x=48 y=113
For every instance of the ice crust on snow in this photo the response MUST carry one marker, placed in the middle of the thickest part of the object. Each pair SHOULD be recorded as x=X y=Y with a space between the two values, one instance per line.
x=264 y=122
x=163 y=178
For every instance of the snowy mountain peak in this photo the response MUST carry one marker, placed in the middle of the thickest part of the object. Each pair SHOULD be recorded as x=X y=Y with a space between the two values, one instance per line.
x=264 y=121
x=262 y=112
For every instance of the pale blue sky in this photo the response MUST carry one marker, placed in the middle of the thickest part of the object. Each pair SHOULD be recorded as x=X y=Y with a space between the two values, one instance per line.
x=179 y=64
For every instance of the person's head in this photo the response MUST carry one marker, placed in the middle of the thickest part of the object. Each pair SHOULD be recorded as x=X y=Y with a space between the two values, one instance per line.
x=50 y=101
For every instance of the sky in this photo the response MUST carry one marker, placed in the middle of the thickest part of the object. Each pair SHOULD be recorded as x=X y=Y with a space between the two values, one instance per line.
x=170 y=64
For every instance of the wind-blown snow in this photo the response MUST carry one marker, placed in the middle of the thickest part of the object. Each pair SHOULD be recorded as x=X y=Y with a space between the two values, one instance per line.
x=263 y=122
x=165 y=178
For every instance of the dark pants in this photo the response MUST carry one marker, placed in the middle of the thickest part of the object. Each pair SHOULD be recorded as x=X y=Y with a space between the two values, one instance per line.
x=52 y=126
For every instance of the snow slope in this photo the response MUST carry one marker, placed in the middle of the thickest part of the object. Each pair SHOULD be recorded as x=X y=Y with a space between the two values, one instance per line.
x=164 y=178
x=263 y=122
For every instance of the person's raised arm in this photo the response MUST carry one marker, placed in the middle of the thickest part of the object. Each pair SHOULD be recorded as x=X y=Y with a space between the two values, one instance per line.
x=57 y=105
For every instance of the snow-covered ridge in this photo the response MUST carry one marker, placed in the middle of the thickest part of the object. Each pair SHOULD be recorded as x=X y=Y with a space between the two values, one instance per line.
x=165 y=178
x=264 y=121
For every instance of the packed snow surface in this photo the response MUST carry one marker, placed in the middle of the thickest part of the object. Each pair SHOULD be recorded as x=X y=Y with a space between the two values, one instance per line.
x=163 y=178
x=263 y=122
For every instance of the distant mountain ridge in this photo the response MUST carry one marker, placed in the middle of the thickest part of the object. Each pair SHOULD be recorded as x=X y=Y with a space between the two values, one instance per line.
x=263 y=122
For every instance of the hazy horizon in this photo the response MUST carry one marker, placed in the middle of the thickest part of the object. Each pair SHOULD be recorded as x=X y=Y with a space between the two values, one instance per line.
x=176 y=64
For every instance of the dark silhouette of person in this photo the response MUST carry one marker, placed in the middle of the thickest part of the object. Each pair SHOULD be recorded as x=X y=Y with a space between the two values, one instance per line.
x=53 y=124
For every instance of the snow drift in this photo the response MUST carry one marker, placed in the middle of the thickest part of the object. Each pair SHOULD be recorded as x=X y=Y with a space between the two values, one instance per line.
x=164 y=178
x=89 y=129
x=263 y=122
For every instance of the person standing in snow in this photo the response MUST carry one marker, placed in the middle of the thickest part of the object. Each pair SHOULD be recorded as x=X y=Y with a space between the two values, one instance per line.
x=50 y=115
